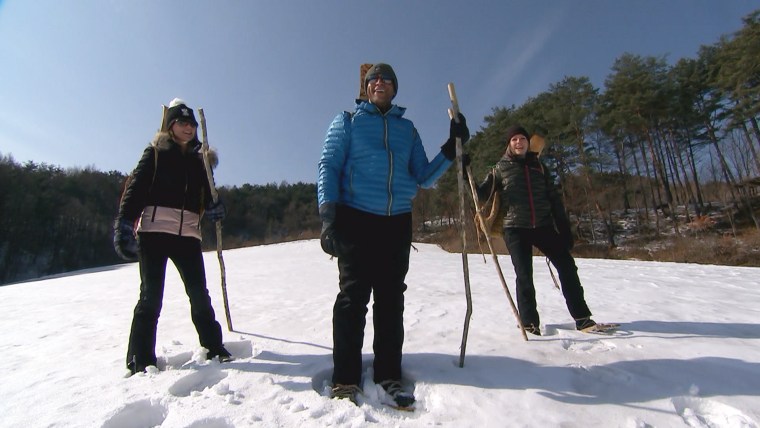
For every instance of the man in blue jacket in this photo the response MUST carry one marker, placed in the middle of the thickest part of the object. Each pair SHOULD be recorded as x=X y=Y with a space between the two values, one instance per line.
x=371 y=166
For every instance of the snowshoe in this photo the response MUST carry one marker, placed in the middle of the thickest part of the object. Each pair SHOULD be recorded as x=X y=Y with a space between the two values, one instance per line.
x=402 y=400
x=340 y=392
x=602 y=328
x=532 y=329
x=584 y=324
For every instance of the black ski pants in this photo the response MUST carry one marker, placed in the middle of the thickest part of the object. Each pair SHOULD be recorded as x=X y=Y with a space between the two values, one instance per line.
x=376 y=263
x=185 y=252
x=520 y=242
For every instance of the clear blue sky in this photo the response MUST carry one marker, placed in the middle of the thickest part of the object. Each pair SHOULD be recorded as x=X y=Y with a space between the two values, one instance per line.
x=82 y=81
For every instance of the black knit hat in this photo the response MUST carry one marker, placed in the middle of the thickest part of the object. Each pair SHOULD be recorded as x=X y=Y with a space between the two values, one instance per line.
x=179 y=112
x=517 y=130
x=384 y=70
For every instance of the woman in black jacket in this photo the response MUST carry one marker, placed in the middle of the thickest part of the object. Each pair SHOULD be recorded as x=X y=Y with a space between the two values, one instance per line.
x=164 y=199
x=534 y=216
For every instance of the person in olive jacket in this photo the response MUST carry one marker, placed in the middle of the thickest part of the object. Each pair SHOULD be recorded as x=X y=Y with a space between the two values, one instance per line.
x=159 y=220
x=534 y=216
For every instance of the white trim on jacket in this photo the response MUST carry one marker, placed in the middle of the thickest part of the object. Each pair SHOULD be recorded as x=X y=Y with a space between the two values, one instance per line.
x=174 y=221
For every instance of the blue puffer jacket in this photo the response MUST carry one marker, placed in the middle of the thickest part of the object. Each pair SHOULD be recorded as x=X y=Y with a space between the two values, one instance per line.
x=375 y=162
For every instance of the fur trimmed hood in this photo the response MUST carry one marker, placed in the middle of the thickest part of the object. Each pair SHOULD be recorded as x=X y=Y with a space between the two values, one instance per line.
x=163 y=141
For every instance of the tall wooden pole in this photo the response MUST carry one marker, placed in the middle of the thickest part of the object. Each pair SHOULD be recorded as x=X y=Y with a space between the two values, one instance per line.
x=215 y=197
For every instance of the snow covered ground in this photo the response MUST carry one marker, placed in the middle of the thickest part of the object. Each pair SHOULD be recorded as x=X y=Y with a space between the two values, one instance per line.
x=688 y=354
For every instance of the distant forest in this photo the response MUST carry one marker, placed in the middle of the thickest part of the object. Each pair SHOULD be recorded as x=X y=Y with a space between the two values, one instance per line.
x=656 y=137
x=58 y=220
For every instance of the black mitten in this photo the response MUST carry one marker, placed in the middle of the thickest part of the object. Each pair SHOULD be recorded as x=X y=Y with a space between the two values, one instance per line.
x=328 y=238
x=456 y=130
x=124 y=240
x=459 y=129
x=216 y=211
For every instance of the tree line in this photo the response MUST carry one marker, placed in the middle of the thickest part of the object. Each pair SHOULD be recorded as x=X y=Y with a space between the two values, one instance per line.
x=650 y=139
x=654 y=138
x=58 y=220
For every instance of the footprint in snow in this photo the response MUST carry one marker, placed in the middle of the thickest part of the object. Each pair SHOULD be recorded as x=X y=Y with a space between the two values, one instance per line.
x=211 y=423
x=144 y=413
x=588 y=347
x=174 y=361
x=205 y=377
x=572 y=342
x=698 y=413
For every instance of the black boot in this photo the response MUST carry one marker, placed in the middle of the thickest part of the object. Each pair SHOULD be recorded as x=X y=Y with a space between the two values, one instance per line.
x=135 y=367
x=222 y=354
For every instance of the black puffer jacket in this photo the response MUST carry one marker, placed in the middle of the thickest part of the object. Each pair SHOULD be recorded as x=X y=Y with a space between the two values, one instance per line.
x=175 y=181
x=528 y=196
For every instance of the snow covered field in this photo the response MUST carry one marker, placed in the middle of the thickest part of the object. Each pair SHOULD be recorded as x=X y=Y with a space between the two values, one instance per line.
x=688 y=354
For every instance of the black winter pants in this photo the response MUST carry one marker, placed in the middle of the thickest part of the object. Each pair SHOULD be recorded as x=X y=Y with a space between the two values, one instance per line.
x=376 y=263
x=520 y=242
x=185 y=252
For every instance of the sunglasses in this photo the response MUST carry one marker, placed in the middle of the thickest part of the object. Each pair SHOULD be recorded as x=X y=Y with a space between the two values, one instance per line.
x=184 y=122
x=372 y=78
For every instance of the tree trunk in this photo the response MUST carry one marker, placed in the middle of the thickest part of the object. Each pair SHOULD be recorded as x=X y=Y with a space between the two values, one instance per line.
x=751 y=147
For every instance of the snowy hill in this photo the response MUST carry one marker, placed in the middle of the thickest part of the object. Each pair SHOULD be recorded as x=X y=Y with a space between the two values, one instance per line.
x=688 y=354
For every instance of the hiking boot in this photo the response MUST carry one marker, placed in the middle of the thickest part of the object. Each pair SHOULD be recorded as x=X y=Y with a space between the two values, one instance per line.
x=399 y=396
x=532 y=329
x=222 y=354
x=340 y=391
x=138 y=367
x=584 y=323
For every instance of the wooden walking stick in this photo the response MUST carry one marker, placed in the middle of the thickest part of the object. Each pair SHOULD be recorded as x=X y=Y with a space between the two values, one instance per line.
x=454 y=113
x=551 y=272
x=484 y=231
x=215 y=197
x=164 y=109
x=465 y=264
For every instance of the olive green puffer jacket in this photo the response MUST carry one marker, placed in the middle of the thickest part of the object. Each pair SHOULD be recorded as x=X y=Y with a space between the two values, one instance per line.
x=528 y=196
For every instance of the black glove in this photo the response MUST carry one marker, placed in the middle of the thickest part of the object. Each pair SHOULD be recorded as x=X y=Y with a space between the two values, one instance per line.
x=456 y=130
x=459 y=129
x=216 y=211
x=328 y=238
x=124 y=240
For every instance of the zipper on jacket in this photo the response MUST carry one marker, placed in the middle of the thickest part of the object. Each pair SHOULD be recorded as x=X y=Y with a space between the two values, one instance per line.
x=351 y=182
x=184 y=201
x=390 y=164
x=530 y=197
